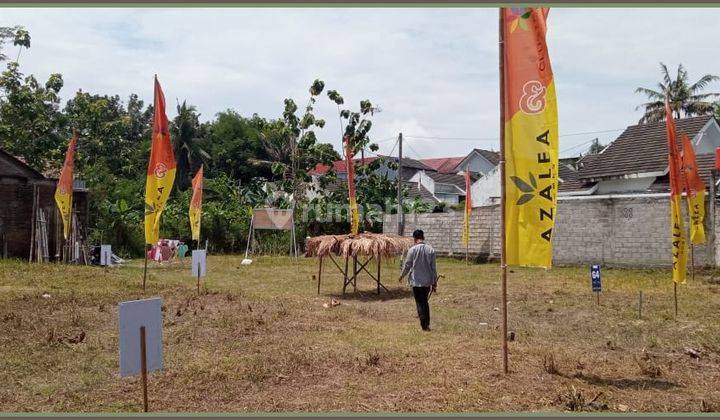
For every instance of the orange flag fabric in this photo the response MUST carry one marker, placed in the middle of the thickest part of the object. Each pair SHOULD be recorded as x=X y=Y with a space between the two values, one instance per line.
x=695 y=192
x=531 y=138
x=161 y=170
x=64 y=190
x=196 y=204
x=677 y=231
x=468 y=210
x=352 y=200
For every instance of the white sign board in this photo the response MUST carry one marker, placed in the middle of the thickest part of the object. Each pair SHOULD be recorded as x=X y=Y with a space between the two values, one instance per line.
x=105 y=255
x=133 y=315
x=199 y=263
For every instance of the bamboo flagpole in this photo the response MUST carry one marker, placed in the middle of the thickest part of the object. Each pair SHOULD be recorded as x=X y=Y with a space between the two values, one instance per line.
x=503 y=262
x=528 y=147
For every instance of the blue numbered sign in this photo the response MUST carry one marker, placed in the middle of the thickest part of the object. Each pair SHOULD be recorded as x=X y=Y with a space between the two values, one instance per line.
x=595 y=278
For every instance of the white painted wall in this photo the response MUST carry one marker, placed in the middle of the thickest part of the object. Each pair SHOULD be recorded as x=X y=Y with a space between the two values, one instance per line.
x=485 y=188
x=624 y=185
x=448 y=198
x=476 y=163
x=708 y=138
x=424 y=180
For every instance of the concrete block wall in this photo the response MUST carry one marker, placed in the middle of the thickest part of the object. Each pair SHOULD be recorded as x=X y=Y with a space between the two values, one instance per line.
x=621 y=231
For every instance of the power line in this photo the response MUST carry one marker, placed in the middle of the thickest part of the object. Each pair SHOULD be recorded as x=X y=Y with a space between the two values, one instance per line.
x=417 y=155
x=394 y=146
x=496 y=138
x=577 y=145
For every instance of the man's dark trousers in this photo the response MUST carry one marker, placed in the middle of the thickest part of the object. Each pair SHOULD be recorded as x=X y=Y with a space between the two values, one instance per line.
x=423 y=307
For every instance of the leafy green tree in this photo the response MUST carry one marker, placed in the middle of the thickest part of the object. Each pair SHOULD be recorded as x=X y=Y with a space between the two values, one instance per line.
x=113 y=136
x=20 y=38
x=233 y=141
x=111 y=158
x=595 y=147
x=686 y=99
x=187 y=138
x=292 y=147
x=30 y=117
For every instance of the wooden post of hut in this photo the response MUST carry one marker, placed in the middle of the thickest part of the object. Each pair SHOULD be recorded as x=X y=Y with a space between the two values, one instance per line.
x=319 y=273
x=378 y=274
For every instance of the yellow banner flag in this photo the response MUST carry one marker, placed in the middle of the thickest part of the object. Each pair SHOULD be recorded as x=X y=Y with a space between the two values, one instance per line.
x=196 y=204
x=531 y=139
x=64 y=190
x=677 y=230
x=695 y=192
x=161 y=170
x=352 y=200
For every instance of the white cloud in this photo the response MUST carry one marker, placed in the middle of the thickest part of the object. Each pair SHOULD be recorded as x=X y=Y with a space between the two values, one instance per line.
x=432 y=71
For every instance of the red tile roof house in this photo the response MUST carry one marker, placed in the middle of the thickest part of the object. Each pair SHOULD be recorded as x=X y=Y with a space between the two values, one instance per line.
x=432 y=180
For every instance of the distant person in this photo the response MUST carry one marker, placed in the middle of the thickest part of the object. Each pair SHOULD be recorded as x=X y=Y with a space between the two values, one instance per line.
x=420 y=263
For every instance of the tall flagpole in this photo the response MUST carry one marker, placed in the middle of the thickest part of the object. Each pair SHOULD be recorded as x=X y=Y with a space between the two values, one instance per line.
x=503 y=266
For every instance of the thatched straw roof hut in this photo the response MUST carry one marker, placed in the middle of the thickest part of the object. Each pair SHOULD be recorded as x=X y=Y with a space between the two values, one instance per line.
x=368 y=244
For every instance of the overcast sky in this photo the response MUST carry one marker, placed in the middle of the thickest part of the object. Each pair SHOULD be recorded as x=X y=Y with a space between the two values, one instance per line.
x=432 y=71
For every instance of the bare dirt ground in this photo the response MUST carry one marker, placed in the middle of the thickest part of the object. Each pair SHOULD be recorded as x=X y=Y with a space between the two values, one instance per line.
x=259 y=338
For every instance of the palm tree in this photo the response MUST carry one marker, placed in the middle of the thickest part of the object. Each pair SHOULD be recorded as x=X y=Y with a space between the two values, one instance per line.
x=186 y=141
x=686 y=100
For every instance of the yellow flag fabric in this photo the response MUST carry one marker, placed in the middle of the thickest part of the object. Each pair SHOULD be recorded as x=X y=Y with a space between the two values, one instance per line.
x=196 y=204
x=352 y=200
x=161 y=170
x=695 y=192
x=531 y=139
x=677 y=230
x=696 y=206
x=64 y=190
x=679 y=246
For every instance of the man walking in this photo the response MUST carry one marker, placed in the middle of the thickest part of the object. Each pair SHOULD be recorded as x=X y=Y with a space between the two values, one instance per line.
x=420 y=263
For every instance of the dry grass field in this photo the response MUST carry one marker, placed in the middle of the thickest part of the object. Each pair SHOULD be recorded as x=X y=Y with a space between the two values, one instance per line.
x=259 y=338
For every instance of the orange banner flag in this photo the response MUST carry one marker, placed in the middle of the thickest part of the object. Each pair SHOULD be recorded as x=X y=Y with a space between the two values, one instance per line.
x=677 y=231
x=531 y=138
x=468 y=210
x=352 y=200
x=64 y=190
x=196 y=204
x=695 y=189
x=161 y=169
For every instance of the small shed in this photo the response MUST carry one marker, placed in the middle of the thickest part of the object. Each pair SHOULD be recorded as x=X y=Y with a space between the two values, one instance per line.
x=22 y=189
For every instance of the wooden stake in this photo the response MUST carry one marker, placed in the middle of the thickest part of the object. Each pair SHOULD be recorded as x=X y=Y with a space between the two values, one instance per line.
x=355 y=273
x=143 y=368
x=640 y=305
x=198 y=279
x=692 y=262
x=378 y=274
x=145 y=268
x=319 y=273
x=598 y=298
x=503 y=264
x=345 y=276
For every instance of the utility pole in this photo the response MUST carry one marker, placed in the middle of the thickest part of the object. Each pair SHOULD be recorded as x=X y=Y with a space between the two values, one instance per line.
x=400 y=215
